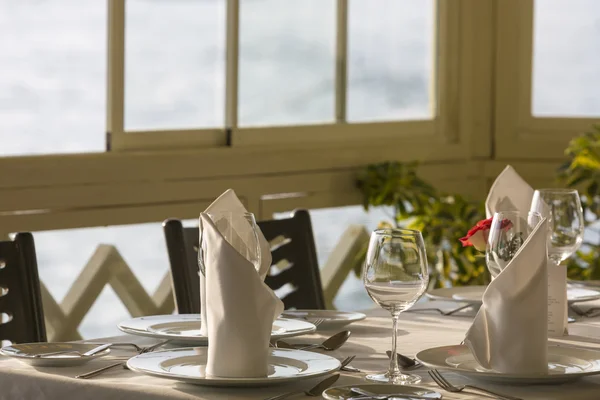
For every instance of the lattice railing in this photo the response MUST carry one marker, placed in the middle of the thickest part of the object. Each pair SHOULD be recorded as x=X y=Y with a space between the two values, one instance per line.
x=107 y=267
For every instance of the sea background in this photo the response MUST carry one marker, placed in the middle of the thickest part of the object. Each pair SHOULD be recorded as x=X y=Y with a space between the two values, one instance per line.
x=53 y=94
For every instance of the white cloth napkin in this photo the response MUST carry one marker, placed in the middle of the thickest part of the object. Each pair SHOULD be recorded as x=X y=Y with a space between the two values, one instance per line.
x=237 y=307
x=510 y=331
x=509 y=192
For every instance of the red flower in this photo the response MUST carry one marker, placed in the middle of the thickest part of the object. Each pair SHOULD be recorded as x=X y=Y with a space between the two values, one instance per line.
x=478 y=235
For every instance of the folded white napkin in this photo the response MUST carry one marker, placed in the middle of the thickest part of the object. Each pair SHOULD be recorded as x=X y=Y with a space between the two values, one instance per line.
x=237 y=307
x=510 y=332
x=509 y=192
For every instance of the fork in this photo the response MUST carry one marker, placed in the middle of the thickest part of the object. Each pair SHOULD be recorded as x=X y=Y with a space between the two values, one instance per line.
x=442 y=312
x=346 y=367
x=98 y=371
x=590 y=312
x=447 y=386
x=317 y=322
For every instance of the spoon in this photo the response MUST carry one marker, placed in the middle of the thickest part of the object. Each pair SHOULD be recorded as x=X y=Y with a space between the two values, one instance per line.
x=403 y=361
x=333 y=343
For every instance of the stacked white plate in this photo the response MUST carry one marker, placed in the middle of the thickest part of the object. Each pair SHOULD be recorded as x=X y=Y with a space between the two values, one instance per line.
x=189 y=365
x=564 y=364
x=474 y=294
x=185 y=328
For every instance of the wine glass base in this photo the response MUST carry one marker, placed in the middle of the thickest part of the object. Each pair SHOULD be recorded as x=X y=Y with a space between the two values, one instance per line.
x=400 y=379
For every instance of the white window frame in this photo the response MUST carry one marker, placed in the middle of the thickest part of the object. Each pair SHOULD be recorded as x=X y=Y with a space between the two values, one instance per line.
x=518 y=134
x=147 y=176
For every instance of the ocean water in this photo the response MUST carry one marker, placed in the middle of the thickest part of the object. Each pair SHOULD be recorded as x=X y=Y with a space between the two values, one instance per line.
x=53 y=93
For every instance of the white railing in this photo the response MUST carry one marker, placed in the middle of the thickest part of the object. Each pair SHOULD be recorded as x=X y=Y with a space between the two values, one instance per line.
x=107 y=267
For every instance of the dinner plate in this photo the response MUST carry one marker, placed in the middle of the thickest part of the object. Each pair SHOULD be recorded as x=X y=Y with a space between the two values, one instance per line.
x=330 y=319
x=185 y=328
x=473 y=294
x=189 y=365
x=27 y=353
x=564 y=364
x=401 y=391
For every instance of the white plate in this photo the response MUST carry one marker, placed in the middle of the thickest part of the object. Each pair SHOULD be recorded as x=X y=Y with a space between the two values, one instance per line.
x=331 y=319
x=473 y=294
x=185 y=328
x=189 y=364
x=564 y=364
x=26 y=353
x=345 y=392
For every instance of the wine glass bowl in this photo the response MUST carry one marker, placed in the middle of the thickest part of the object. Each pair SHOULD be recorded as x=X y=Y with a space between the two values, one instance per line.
x=395 y=276
x=563 y=209
x=508 y=232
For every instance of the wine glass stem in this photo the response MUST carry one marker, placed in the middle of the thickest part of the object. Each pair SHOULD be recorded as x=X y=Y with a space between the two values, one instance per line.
x=394 y=370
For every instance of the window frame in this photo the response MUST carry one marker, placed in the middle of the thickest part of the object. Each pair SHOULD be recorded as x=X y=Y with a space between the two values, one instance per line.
x=149 y=176
x=441 y=129
x=518 y=133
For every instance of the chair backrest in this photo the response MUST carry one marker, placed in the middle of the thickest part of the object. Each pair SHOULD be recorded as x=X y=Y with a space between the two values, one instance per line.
x=292 y=246
x=21 y=311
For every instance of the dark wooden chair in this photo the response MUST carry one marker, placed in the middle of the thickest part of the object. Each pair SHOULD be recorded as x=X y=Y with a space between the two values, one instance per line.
x=293 y=248
x=22 y=315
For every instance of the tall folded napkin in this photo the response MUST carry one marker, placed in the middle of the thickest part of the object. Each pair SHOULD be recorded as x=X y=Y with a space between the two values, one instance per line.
x=509 y=192
x=237 y=307
x=510 y=332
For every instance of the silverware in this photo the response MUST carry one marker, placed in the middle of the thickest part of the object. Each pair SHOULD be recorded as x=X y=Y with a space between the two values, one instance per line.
x=135 y=346
x=317 y=390
x=346 y=367
x=89 y=353
x=404 y=362
x=333 y=343
x=442 y=312
x=590 y=312
x=444 y=384
x=98 y=371
x=375 y=396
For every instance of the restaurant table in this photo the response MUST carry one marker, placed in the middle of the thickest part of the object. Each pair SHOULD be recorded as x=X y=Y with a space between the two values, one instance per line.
x=369 y=341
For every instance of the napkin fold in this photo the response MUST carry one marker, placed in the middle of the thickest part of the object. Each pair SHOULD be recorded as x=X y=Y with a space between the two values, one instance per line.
x=237 y=307
x=510 y=331
x=510 y=192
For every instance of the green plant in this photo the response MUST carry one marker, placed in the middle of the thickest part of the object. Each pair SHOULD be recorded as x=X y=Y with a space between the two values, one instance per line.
x=582 y=171
x=443 y=219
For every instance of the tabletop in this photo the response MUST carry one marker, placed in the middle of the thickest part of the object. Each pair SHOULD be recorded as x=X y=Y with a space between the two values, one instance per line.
x=369 y=340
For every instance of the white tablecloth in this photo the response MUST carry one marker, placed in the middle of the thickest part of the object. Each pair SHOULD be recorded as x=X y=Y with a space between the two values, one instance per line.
x=369 y=341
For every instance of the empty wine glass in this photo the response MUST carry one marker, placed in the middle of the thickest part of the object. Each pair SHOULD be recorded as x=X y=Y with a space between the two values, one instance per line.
x=239 y=230
x=395 y=276
x=508 y=232
x=563 y=209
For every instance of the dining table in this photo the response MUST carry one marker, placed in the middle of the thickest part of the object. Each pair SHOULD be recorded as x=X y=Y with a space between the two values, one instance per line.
x=369 y=341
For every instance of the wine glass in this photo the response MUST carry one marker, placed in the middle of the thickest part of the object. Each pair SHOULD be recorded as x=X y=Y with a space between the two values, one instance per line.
x=395 y=276
x=239 y=230
x=508 y=232
x=563 y=209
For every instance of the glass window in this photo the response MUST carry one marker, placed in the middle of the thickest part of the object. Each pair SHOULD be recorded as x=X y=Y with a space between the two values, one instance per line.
x=329 y=225
x=390 y=59
x=566 y=58
x=287 y=62
x=174 y=64
x=53 y=79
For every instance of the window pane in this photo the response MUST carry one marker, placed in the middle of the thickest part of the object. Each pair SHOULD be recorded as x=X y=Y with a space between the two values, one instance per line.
x=390 y=59
x=566 y=58
x=52 y=84
x=329 y=225
x=174 y=64
x=287 y=62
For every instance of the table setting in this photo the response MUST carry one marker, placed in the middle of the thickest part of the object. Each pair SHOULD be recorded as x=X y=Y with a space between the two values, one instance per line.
x=508 y=340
